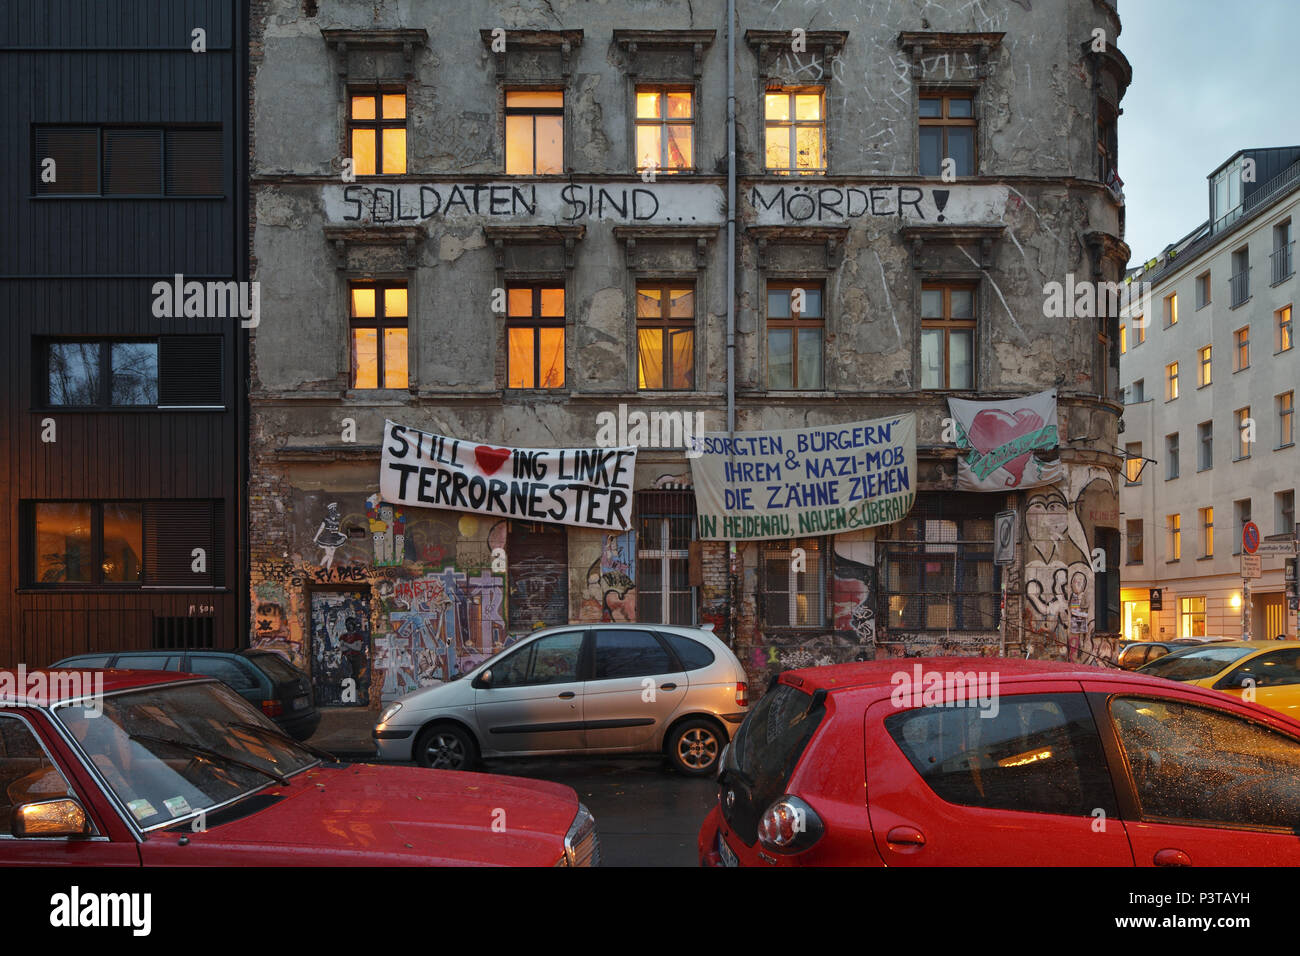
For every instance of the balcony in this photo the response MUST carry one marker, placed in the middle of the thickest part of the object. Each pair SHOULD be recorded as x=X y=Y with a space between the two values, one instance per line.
x=1239 y=287
x=1283 y=259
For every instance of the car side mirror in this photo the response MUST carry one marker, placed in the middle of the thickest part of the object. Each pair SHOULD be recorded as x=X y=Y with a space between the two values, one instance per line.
x=484 y=679
x=50 y=818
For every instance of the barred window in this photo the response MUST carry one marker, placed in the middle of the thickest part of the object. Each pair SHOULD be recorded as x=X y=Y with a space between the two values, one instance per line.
x=938 y=566
x=665 y=523
x=793 y=586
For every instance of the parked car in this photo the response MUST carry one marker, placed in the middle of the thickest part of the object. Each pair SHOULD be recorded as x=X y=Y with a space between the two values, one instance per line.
x=1134 y=654
x=1269 y=669
x=1059 y=764
x=578 y=689
x=264 y=678
x=161 y=770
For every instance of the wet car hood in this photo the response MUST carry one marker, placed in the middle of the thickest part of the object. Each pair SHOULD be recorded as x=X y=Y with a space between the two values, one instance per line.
x=368 y=813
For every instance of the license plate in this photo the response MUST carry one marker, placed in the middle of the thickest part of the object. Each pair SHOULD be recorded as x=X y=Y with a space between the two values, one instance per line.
x=724 y=851
x=300 y=702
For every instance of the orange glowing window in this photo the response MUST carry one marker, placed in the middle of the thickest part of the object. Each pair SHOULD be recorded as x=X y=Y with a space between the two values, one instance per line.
x=534 y=132
x=378 y=314
x=795 y=131
x=665 y=129
x=535 y=337
x=665 y=331
x=377 y=132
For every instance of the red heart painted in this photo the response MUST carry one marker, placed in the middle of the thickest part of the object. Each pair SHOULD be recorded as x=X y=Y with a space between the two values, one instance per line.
x=994 y=427
x=490 y=459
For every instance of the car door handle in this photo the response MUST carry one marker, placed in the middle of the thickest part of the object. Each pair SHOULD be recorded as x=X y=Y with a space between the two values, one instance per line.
x=667 y=686
x=568 y=694
x=1172 y=858
x=906 y=837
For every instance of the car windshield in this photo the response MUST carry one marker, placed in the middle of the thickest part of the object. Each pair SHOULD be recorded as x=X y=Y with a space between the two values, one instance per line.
x=173 y=751
x=1196 y=664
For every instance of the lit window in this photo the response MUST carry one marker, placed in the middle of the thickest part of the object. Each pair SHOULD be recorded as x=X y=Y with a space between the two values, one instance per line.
x=793 y=598
x=1241 y=345
x=795 y=127
x=535 y=337
x=1245 y=432
x=1207 y=532
x=665 y=130
x=1171 y=310
x=1282 y=322
x=1285 y=419
x=1191 y=617
x=665 y=332
x=1175 y=525
x=534 y=132
x=379 y=334
x=1171 y=381
x=1133 y=462
x=1205 y=370
x=1123 y=340
x=377 y=132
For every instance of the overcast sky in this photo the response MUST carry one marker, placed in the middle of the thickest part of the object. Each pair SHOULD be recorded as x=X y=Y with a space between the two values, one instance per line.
x=1210 y=77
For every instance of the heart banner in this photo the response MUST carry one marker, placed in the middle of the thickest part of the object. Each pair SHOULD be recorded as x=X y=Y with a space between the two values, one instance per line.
x=1000 y=439
x=586 y=487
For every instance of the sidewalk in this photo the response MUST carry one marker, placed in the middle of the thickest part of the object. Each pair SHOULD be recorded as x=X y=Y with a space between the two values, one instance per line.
x=345 y=732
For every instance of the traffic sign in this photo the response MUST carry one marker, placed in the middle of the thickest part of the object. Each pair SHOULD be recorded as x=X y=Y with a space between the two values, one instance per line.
x=1250 y=537
x=1004 y=535
x=1250 y=566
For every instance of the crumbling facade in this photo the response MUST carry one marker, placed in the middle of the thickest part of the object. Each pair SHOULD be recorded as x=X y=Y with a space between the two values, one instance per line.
x=507 y=224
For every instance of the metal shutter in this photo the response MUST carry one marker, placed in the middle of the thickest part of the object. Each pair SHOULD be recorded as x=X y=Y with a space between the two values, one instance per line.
x=194 y=162
x=189 y=371
x=75 y=152
x=172 y=530
x=132 y=162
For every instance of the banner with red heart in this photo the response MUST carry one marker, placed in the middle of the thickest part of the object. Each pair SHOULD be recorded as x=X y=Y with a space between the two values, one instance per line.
x=999 y=442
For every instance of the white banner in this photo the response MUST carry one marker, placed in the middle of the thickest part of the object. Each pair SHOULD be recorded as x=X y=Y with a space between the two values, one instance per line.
x=996 y=442
x=586 y=487
x=805 y=481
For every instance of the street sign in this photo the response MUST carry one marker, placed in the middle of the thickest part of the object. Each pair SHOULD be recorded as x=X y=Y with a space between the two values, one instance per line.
x=1156 y=597
x=1285 y=548
x=1250 y=537
x=1004 y=537
x=1250 y=566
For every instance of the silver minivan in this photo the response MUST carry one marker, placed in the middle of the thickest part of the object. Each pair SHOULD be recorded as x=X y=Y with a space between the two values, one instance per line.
x=578 y=689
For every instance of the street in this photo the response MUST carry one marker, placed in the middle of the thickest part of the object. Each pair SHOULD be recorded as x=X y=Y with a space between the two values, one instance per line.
x=646 y=815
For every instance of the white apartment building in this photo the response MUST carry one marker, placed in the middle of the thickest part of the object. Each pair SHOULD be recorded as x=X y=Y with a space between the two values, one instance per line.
x=1210 y=373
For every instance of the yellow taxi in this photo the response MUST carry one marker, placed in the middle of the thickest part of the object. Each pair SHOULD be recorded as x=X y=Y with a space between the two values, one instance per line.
x=1267 y=672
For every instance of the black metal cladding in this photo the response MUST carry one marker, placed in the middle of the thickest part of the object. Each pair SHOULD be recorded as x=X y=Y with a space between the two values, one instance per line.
x=149 y=139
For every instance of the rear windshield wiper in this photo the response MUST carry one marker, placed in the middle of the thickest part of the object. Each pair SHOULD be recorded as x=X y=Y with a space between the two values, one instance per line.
x=206 y=752
x=276 y=732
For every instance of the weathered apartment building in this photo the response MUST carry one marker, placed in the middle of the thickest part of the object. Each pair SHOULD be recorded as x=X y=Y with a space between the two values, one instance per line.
x=122 y=427
x=1210 y=376
x=508 y=225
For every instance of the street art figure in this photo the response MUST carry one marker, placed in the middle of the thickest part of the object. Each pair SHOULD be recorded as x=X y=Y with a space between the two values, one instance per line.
x=328 y=536
x=387 y=531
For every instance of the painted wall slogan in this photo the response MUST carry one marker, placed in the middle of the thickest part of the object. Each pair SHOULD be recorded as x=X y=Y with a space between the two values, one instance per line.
x=796 y=203
x=999 y=439
x=539 y=203
x=802 y=481
x=661 y=203
x=587 y=487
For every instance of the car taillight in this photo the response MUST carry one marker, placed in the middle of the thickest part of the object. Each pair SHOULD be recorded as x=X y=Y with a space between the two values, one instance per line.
x=272 y=708
x=789 y=826
x=742 y=694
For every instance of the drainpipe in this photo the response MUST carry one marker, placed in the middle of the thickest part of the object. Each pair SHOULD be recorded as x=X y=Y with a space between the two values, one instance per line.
x=731 y=291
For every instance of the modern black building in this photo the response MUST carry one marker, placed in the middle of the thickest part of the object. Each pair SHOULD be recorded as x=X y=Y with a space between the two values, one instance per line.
x=122 y=273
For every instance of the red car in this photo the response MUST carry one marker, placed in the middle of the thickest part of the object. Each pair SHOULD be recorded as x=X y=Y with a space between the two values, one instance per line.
x=131 y=768
x=996 y=761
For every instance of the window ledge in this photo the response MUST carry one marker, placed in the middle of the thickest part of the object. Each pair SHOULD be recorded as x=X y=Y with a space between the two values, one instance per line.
x=1241 y=303
x=1206 y=557
x=1289 y=444
x=1283 y=351
x=1206 y=385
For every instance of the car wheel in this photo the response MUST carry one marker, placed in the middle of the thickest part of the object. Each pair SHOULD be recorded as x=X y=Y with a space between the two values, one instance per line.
x=445 y=747
x=694 y=747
